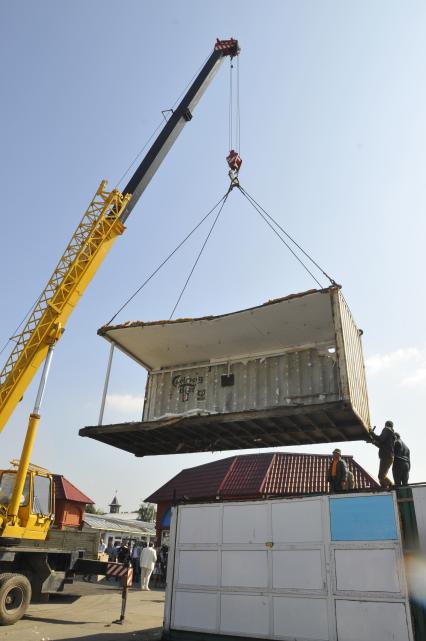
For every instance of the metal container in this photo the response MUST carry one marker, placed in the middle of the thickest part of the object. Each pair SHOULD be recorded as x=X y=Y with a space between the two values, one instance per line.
x=290 y=371
x=299 y=377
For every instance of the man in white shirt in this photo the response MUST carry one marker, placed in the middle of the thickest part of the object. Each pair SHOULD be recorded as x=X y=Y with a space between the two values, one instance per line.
x=102 y=546
x=147 y=560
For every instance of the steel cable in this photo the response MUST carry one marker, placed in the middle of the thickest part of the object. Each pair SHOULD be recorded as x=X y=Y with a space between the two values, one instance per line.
x=136 y=292
x=200 y=252
x=9 y=340
x=280 y=237
x=161 y=124
x=230 y=104
x=238 y=108
x=255 y=204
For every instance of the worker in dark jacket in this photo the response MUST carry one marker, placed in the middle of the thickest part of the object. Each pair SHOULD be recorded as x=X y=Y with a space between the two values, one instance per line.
x=385 y=442
x=401 y=462
x=338 y=472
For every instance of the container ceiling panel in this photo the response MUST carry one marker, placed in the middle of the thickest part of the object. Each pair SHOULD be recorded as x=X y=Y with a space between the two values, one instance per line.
x=302 y=319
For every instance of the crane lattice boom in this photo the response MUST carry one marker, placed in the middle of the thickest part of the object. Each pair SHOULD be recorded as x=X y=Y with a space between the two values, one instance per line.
x=92 y=239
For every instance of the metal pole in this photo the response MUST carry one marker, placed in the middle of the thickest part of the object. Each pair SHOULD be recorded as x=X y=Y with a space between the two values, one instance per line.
x=104 y=394
x=43 y=381
x=127 y=580
x=123 y=602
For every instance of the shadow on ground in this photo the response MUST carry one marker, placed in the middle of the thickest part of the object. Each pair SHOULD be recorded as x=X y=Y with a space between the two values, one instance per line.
x=63 y=598
x=29 y=617
x=153 y=634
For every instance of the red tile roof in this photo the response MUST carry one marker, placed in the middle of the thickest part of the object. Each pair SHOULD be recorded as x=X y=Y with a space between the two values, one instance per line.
x=255 y=475
x=67 y=491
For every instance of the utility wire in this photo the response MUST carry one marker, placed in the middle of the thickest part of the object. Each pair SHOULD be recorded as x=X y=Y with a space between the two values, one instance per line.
x=167 y=259
x=254 y=202
x=279 y=236
x=200 y=252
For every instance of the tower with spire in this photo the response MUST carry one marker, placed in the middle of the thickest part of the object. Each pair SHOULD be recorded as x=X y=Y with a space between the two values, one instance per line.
x=114 y=506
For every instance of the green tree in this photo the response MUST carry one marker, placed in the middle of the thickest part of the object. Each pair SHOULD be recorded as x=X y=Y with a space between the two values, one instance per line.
x=147 y=512
x=92 y=509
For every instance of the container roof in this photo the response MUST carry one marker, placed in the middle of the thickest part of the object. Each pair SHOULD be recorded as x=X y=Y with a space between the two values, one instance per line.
x=293 y=321
x=255 y=475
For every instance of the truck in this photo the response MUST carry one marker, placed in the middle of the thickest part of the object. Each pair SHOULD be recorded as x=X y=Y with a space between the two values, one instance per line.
x=34 y=559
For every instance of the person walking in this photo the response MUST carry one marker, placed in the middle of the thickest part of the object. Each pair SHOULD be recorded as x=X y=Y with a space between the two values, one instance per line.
x=135 y=558
x=401 y=461
x=337 y=472
x=148 y=559
x=110 y=548
x=123 y=553
x=385 y=442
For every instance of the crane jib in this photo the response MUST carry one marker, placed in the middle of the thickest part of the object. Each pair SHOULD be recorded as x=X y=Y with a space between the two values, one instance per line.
x=180 y=116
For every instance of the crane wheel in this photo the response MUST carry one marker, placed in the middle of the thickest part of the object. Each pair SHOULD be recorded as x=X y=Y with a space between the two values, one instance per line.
x=15 y=596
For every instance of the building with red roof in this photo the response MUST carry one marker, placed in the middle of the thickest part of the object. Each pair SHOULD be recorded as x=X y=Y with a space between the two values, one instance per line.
x=251 y=476
x=70 y=503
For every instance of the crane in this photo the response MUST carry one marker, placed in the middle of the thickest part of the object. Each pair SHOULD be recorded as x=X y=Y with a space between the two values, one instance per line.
x=26 y=494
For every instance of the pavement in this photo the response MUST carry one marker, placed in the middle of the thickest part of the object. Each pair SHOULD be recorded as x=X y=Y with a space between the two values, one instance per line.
x=86 y=611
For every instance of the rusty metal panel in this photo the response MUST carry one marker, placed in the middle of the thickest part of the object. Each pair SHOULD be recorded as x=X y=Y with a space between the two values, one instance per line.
x=299 y=377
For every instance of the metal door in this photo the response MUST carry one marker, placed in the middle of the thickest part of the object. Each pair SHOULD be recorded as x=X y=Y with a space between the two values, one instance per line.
x=309 y=569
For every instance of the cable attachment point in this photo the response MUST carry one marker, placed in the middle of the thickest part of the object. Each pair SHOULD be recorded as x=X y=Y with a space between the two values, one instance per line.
x=234 y=163
x=233 y=176
x=167 y=111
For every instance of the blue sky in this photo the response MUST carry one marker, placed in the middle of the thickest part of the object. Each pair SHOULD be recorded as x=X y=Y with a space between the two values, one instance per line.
x=333 y=139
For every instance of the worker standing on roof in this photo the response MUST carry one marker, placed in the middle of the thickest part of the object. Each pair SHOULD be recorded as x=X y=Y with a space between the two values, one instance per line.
x=386 y=444
x=338 y=472
x=401 y=462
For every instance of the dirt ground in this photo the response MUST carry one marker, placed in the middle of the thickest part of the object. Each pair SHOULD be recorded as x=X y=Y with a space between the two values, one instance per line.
x=85 y=612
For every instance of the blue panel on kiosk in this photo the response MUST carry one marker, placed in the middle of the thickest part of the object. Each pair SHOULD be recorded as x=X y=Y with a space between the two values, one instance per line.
x=363 y=518
x=165 y=521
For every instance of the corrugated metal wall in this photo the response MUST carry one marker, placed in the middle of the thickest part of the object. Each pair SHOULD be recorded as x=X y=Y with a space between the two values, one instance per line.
x=306 y=376
x=352 y=360
x=410 y=516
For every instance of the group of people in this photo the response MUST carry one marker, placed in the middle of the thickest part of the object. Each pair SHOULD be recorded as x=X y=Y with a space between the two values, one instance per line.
x=144 y=559
x=393 y=453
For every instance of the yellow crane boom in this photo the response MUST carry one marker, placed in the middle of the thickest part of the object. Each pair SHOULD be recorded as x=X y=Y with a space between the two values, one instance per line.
x=89 y=244
x=21 y=514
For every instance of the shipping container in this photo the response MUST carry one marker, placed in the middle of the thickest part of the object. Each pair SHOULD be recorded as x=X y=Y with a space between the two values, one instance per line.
x=289 y=372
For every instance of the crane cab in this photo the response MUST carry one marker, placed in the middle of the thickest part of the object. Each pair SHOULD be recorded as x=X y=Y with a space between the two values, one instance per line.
x=36 y=510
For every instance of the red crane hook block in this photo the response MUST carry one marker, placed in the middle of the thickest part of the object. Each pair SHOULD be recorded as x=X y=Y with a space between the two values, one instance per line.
x=234 y=161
